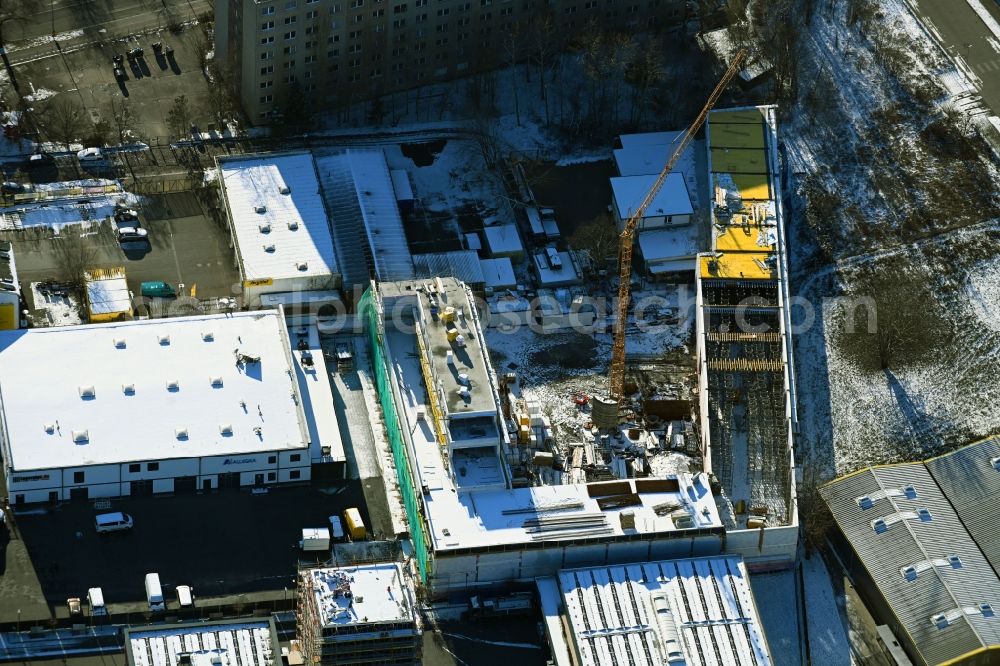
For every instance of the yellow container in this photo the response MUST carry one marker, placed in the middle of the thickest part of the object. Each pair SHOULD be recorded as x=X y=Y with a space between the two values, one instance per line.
x=452 y=334
x=355 y=526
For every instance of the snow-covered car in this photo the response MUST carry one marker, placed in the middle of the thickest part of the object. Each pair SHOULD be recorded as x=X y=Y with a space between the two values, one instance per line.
x=90 y=155
x=127 y=234
x=126 y=214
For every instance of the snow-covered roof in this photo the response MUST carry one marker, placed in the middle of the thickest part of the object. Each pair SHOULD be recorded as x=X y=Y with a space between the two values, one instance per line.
x=693 y=611
x=672 y=199
x=503 y=239
x=460 y=264
x=361 y=595
x=314 y=386
x=107 y=292
x=555 y=277
x=208 y=644
x=667 y=244
x=277 y=217
x=149 y=390
x=498 y=273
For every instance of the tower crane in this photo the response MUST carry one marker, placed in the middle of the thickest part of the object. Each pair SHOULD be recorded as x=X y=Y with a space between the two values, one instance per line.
x=627 y=236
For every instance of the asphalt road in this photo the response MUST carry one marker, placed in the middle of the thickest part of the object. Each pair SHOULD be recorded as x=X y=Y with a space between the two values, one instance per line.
x=97 y=18
x=965 y=35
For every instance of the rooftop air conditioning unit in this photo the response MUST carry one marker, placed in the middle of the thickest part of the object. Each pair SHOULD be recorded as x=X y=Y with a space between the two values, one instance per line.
x=216 y=381
x=302 y=265
x=207 y=336
x=119 y=343
x=128 y=389
x=50 y=428
x=226 y=429
x=264 y=228
x=81 y=436
x=421 y=414
x=182 y=433
x=260 y=208
x=163 y=339
x=284 y=189
x=87 y=391
x=173 y=385
x=293 y=225
x=269 y=247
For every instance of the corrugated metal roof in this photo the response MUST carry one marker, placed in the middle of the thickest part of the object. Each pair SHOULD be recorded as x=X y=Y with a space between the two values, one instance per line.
x=461 y=264
x=895 y=495
x=969 y=477
x=634 y=614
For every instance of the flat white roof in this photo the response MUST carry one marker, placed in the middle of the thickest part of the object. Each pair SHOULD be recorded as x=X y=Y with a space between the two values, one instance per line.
x=149 y=390
x=317 y=395
x=361 y=595
x=292 y=230
x=644 y=159
x=695 y=611
x=498 y=273
x=109 y=295
x=667 y=244
x=479 y=518
x=503 y=239
x=672 y=199
x=234 y=644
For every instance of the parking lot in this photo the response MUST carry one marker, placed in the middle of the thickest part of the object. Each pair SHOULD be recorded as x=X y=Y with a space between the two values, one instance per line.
x=228 y=542
x=185 y=247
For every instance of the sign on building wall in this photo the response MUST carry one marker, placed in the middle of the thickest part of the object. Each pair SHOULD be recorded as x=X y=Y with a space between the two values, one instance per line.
x=259 y=282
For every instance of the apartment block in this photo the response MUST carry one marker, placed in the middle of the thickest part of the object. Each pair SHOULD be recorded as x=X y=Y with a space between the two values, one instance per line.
x=343 y=51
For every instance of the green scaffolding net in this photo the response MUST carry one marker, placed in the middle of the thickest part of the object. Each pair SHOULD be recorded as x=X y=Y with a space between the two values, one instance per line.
x=368 y=307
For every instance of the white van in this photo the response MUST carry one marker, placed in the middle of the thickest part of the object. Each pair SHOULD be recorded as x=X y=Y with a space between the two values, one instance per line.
x=154 y=593
x=336 y=529
x=184 y=596
x=95 y=597
x=112 y=522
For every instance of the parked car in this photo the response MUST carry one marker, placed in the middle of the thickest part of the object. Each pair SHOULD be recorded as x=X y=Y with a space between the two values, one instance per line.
x=90 y=155
x=119 y=59
x=112 y=522
x=14 y=188
x=157 y=289
x=123 y=214
x=119 y=73
x=135 y=54
x=127 y=234
x=185 y=596
x=157 y=48
x=39 y=160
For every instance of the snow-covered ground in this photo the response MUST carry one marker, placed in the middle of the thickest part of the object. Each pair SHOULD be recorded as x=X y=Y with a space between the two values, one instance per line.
x=60 y=309
x=59 y=213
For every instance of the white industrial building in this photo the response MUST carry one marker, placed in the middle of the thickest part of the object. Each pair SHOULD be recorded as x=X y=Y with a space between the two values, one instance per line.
x=153 y=406
x=365 y=614
x=670 y=207
x=693 y=612
x=216 y=643
x=280 y=233
x=479 y=527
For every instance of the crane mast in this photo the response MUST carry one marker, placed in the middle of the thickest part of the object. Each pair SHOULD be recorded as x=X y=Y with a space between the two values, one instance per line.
x=627 y=236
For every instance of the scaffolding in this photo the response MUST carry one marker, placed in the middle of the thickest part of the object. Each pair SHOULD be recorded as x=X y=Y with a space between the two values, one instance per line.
x=370 y=309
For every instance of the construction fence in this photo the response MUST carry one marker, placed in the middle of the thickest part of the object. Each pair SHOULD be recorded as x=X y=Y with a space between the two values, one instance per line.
x=369 y=309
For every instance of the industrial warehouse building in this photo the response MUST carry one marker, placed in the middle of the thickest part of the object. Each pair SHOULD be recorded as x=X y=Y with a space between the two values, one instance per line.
x=691 y=611
x=153 y=406
x=279 y=228
x=921 y=543
x=215 y=643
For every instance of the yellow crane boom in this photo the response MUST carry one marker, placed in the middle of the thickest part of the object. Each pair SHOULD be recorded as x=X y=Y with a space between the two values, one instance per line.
x=617 y=371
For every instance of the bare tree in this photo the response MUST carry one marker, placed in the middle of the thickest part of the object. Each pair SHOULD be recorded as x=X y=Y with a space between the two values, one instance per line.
x=75 y=254
x=123 y=121
x=597 y=237
x=511 y=41
x=179 y=117
x=64 y=120
x=644 y=71
x=544 y=47
x=11 y=12
x=223 y=101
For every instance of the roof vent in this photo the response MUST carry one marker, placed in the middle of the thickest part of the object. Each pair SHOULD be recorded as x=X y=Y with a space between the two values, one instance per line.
x=879 y=525
x=226 y=429
x=955 y=561
x=50 y=428
x=264 y=228
x=293 y=225
x=909 y=573
x=207 y=336
x=986 y=609
x=302 y=265
x=164 y=339
x=940 y=620
x=173 y=385
x=216 y=381
x=284 y=189
x=119 y=343
x=260 y=208
x=81 y=436
x=865 y=502
x=269 y=247
x=87 y=392
x=996 y=463
x=128 y=389
x=925 y=515
x=910 y=492
x=182 y=433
